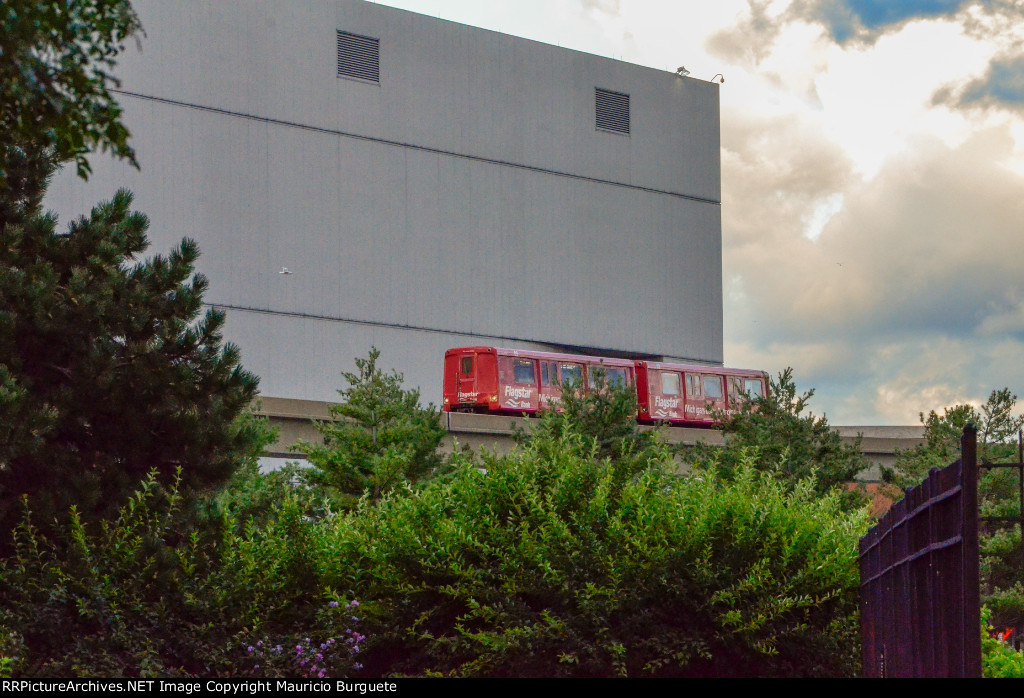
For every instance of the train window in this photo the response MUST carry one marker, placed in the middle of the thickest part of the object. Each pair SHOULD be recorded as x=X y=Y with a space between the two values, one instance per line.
x=692 y=385
x=571 y=373
x=669 y=383
x=616 y=377
x=754 y=388
x=523 y=371
x=467 y=365
x=736 y=392
x=545 y=377
x=613 y=377
x=713 y=387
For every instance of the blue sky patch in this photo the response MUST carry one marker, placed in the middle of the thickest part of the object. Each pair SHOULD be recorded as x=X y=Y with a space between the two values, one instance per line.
x=844 y=17
x=1004 y=84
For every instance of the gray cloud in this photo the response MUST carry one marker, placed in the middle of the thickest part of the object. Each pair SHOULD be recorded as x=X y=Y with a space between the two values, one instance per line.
x=912 y=295
x=751 y=40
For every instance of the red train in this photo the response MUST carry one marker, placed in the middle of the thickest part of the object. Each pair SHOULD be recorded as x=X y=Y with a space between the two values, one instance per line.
x=514 y=381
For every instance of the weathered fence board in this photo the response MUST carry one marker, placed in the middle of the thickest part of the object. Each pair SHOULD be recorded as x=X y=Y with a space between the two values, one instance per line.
x=919 y=595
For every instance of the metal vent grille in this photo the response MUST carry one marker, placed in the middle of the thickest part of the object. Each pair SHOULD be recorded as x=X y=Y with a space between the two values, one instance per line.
x=612 y=110
x=358 y=57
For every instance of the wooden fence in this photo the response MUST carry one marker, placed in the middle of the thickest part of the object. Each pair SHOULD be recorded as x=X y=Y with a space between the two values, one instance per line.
x=919 y=596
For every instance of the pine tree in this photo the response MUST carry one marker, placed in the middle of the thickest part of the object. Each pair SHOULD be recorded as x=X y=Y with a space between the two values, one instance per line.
x=777 y=433
x=379 y=436
x=106 y=369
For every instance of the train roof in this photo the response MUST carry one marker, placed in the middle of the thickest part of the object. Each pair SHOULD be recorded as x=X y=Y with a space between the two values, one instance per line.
x=657 y=365
x=703 y=368
x=546 y=355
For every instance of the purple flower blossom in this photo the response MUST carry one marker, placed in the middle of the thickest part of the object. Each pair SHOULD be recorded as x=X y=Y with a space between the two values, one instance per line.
x=333 y=604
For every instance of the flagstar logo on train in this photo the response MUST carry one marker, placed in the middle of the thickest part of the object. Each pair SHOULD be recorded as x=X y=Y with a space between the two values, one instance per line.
x=517 y=392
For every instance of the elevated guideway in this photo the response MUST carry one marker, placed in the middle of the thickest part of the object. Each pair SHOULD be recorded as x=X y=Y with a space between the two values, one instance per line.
x=294 y=420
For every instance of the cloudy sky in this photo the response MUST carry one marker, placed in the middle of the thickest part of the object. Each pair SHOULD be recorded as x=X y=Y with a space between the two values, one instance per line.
x=872 y=181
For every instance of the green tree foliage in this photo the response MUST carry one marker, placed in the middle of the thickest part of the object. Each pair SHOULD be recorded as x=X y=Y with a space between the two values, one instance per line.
x=997 y=431
x=780 y=436
x=552 y=564
x=56 y=60
x=1002 y=571
x=107 y=369
x=606 y=415
x=378 y=439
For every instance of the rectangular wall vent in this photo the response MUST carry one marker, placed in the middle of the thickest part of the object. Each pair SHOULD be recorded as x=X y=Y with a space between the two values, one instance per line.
x=612 y=111
x=358 y=57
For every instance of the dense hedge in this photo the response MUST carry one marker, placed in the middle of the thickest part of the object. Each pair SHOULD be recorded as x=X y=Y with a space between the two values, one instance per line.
x=547 y=563
x=551 y=561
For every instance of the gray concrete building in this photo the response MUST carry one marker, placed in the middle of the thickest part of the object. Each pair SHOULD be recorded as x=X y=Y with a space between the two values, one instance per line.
x=359 y=175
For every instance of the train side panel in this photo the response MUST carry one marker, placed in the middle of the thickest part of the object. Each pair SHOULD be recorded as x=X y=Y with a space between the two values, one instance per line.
x=510 y=381
x=691 y=395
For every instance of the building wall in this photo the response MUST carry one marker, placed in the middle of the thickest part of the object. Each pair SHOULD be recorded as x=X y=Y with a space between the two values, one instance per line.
x=465 y=199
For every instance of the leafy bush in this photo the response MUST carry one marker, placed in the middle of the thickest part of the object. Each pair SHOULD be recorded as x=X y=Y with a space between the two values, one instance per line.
x=998 y=659
x=114 y=604
x=138 y=598
x=320 y=657
x=553 y=564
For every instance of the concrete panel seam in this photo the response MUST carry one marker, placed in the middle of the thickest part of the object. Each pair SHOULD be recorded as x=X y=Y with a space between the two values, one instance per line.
x=412 y=146
x=415 y=328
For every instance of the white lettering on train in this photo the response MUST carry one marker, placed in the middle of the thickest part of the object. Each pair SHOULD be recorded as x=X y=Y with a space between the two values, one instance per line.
x=523 y=393
x=666 y=402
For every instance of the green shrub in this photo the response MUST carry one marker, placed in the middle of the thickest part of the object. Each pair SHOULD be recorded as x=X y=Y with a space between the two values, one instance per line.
x=551 y=563
x=998 y=659
x=158 y=591
x=114 y=603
